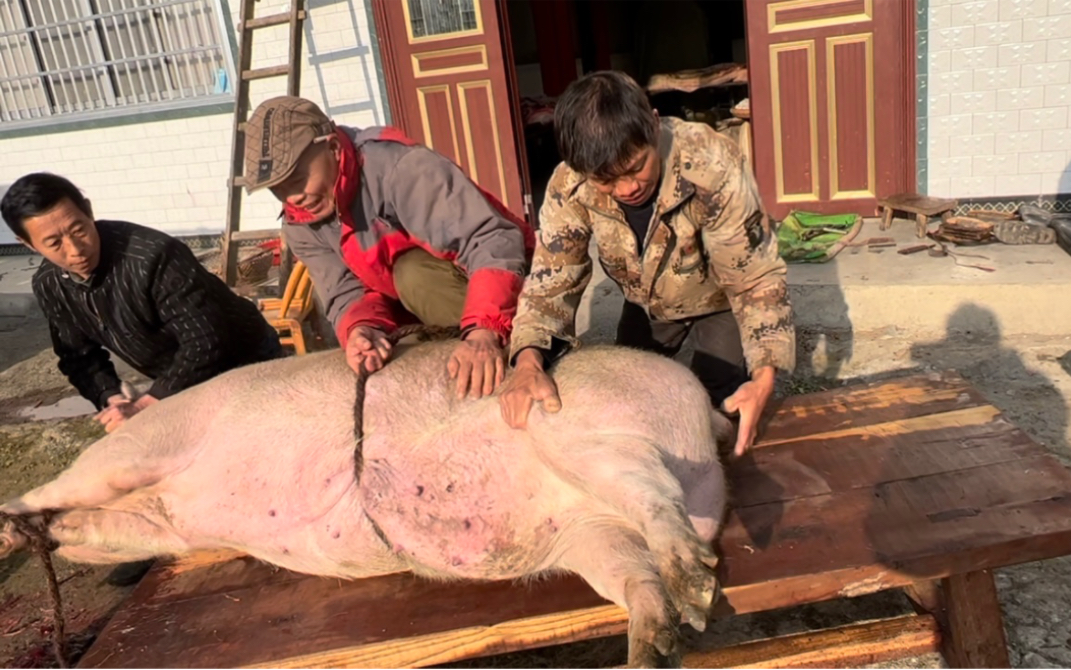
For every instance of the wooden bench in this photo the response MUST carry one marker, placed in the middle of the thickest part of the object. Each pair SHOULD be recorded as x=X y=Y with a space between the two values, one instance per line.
x=923 y=207
x=915 y=484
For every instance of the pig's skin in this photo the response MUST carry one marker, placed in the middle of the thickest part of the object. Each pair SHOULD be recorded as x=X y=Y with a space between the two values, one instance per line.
x=622 y=486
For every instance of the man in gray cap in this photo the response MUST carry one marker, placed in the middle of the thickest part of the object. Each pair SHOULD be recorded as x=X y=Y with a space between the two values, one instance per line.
x=392 y=233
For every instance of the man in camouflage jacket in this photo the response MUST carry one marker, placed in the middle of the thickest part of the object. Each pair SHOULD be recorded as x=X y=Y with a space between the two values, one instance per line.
x=676 y=218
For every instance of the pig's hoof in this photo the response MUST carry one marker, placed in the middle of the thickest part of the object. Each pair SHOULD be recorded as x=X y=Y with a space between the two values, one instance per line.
x=653 y=642
x=10 y=540
x=693 y=585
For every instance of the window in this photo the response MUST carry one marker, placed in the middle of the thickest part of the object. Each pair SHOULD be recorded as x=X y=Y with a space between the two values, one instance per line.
x=61 y=59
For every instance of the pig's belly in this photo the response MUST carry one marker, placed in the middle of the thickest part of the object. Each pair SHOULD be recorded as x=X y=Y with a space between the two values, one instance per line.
x=468 y=499
x=284 y=498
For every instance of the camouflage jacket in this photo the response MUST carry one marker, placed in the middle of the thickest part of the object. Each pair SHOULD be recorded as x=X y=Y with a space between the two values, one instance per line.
x=710 y=247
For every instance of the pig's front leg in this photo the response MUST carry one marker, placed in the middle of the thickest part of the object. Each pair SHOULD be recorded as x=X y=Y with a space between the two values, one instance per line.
x=614 y=560
x=112 y=536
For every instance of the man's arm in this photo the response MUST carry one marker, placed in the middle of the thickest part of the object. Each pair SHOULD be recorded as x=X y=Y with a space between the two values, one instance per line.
x=197 y=323
x=346 y=301
x=745 y=260
x=561 y=270
x=84 y=361
x=440 y=205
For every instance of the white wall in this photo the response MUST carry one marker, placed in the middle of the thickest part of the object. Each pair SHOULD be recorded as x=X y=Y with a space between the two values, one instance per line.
x=172 y=175
x=999 y=97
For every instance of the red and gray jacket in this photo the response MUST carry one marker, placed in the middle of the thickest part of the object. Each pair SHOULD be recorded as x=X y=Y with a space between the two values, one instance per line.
x=392 y=196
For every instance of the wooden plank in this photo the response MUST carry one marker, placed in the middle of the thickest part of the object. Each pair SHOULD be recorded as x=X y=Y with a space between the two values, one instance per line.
x=263 y=622
x=866 y=404
x=852 y=646
x=878 y=454
x=454 y=645
x=975 y=636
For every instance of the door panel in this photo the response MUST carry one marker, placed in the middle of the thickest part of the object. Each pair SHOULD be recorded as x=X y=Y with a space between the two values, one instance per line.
x=447 y=83
x=822 y=142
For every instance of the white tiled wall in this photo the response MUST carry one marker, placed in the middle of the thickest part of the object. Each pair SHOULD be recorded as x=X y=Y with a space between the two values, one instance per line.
x=999 y=97
x=172 y=174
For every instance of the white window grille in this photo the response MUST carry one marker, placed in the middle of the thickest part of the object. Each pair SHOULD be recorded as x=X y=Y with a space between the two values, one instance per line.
x=65 y=59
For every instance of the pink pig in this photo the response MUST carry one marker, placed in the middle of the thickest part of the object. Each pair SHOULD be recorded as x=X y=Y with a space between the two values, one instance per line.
x=623 y=486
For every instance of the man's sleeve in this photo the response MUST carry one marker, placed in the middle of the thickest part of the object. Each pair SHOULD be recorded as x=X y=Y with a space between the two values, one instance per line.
x=440 y=206
x=345 y=299
x=745 y=260
x=561 y=270
x=84 y=361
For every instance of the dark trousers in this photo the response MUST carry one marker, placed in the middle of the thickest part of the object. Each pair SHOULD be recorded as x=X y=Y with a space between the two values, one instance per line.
x=718 y=360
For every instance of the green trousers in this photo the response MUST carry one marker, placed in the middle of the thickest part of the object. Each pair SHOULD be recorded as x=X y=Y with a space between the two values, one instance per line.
x=430 y=288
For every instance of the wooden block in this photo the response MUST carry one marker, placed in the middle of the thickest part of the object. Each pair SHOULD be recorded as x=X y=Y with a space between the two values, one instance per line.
x=975 y=635
x=851 y=646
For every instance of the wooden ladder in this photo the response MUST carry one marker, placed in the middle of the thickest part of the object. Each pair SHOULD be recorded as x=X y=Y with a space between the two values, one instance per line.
x=292 y=70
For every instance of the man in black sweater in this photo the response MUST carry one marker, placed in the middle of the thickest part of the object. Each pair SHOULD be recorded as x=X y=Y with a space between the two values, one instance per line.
x=132 y=290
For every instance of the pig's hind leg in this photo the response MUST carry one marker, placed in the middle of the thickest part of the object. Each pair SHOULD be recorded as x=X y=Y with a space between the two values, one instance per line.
x=627 y=473
x=111 y=536
x=106 y=471
x=615 y=561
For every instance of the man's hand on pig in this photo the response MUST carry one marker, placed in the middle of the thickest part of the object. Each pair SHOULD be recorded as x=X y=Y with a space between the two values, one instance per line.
x=368 y=347
x=120 y=408
x=478 y=364
x=749 y=401
x=527 y=385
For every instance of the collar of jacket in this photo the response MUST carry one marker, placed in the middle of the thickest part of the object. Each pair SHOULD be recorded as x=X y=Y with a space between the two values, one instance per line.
x=673 y=191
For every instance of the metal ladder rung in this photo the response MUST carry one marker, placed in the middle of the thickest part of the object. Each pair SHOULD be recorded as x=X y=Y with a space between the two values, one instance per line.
x=273 y=20
x=265 y=72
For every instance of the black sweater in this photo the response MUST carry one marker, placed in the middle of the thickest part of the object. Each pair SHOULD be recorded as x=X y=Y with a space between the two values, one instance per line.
x=152 y=304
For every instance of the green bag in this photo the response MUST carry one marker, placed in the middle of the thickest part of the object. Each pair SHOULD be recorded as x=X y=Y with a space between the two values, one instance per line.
x=806 y=237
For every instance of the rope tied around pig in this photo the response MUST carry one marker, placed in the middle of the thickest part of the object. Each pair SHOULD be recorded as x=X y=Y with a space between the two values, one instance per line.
x=424 y=334
x=43 y=545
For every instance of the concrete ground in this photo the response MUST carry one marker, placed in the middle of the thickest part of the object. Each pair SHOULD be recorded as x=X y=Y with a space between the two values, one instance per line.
x=864 y=314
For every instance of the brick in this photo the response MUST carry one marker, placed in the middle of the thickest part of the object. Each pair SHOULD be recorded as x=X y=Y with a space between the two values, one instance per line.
x=1048 y=28
x=996 y=123
x=981 y=101
x=1044 y=74
x=975 y=186
x=1014 y=10
x=982 y=166
x=1041 y=162
x=1018 y=142
x=993 y=78
x=954 y=38
x=1043 y=119
x=973 y=13
x=1023 y=54
x=971 y=145
x=1017 y=184
x=1057 y=140
x=976 y=58
x=1031 y=97
x=995 y=34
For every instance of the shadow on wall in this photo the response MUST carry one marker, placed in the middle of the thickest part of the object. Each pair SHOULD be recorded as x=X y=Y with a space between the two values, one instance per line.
x=362 y=53
x=1063 y=187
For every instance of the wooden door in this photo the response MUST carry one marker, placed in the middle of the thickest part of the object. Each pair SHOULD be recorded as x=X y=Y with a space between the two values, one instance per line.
x=447 y=86
x=832 y=102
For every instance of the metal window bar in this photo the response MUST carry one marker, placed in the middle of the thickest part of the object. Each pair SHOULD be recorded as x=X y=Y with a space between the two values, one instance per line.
x=67 y=56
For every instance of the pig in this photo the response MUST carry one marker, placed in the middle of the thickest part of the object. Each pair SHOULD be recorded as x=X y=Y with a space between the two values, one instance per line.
x=623 y=486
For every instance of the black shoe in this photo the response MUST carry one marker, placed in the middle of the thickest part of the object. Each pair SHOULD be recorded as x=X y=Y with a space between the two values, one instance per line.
x=1035 y=215
x=1062 y=227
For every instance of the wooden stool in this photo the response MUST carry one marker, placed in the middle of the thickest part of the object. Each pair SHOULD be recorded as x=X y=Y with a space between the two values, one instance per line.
x=291 y=311
x=923 y=207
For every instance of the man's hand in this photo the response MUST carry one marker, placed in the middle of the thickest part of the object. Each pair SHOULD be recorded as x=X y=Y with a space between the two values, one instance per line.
x=120 y=408
x=528 y=384
x=478 y=364
x=368 y=347
x=749 y=400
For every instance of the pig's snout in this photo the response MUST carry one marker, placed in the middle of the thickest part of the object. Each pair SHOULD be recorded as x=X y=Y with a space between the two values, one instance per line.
x=11 y=540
